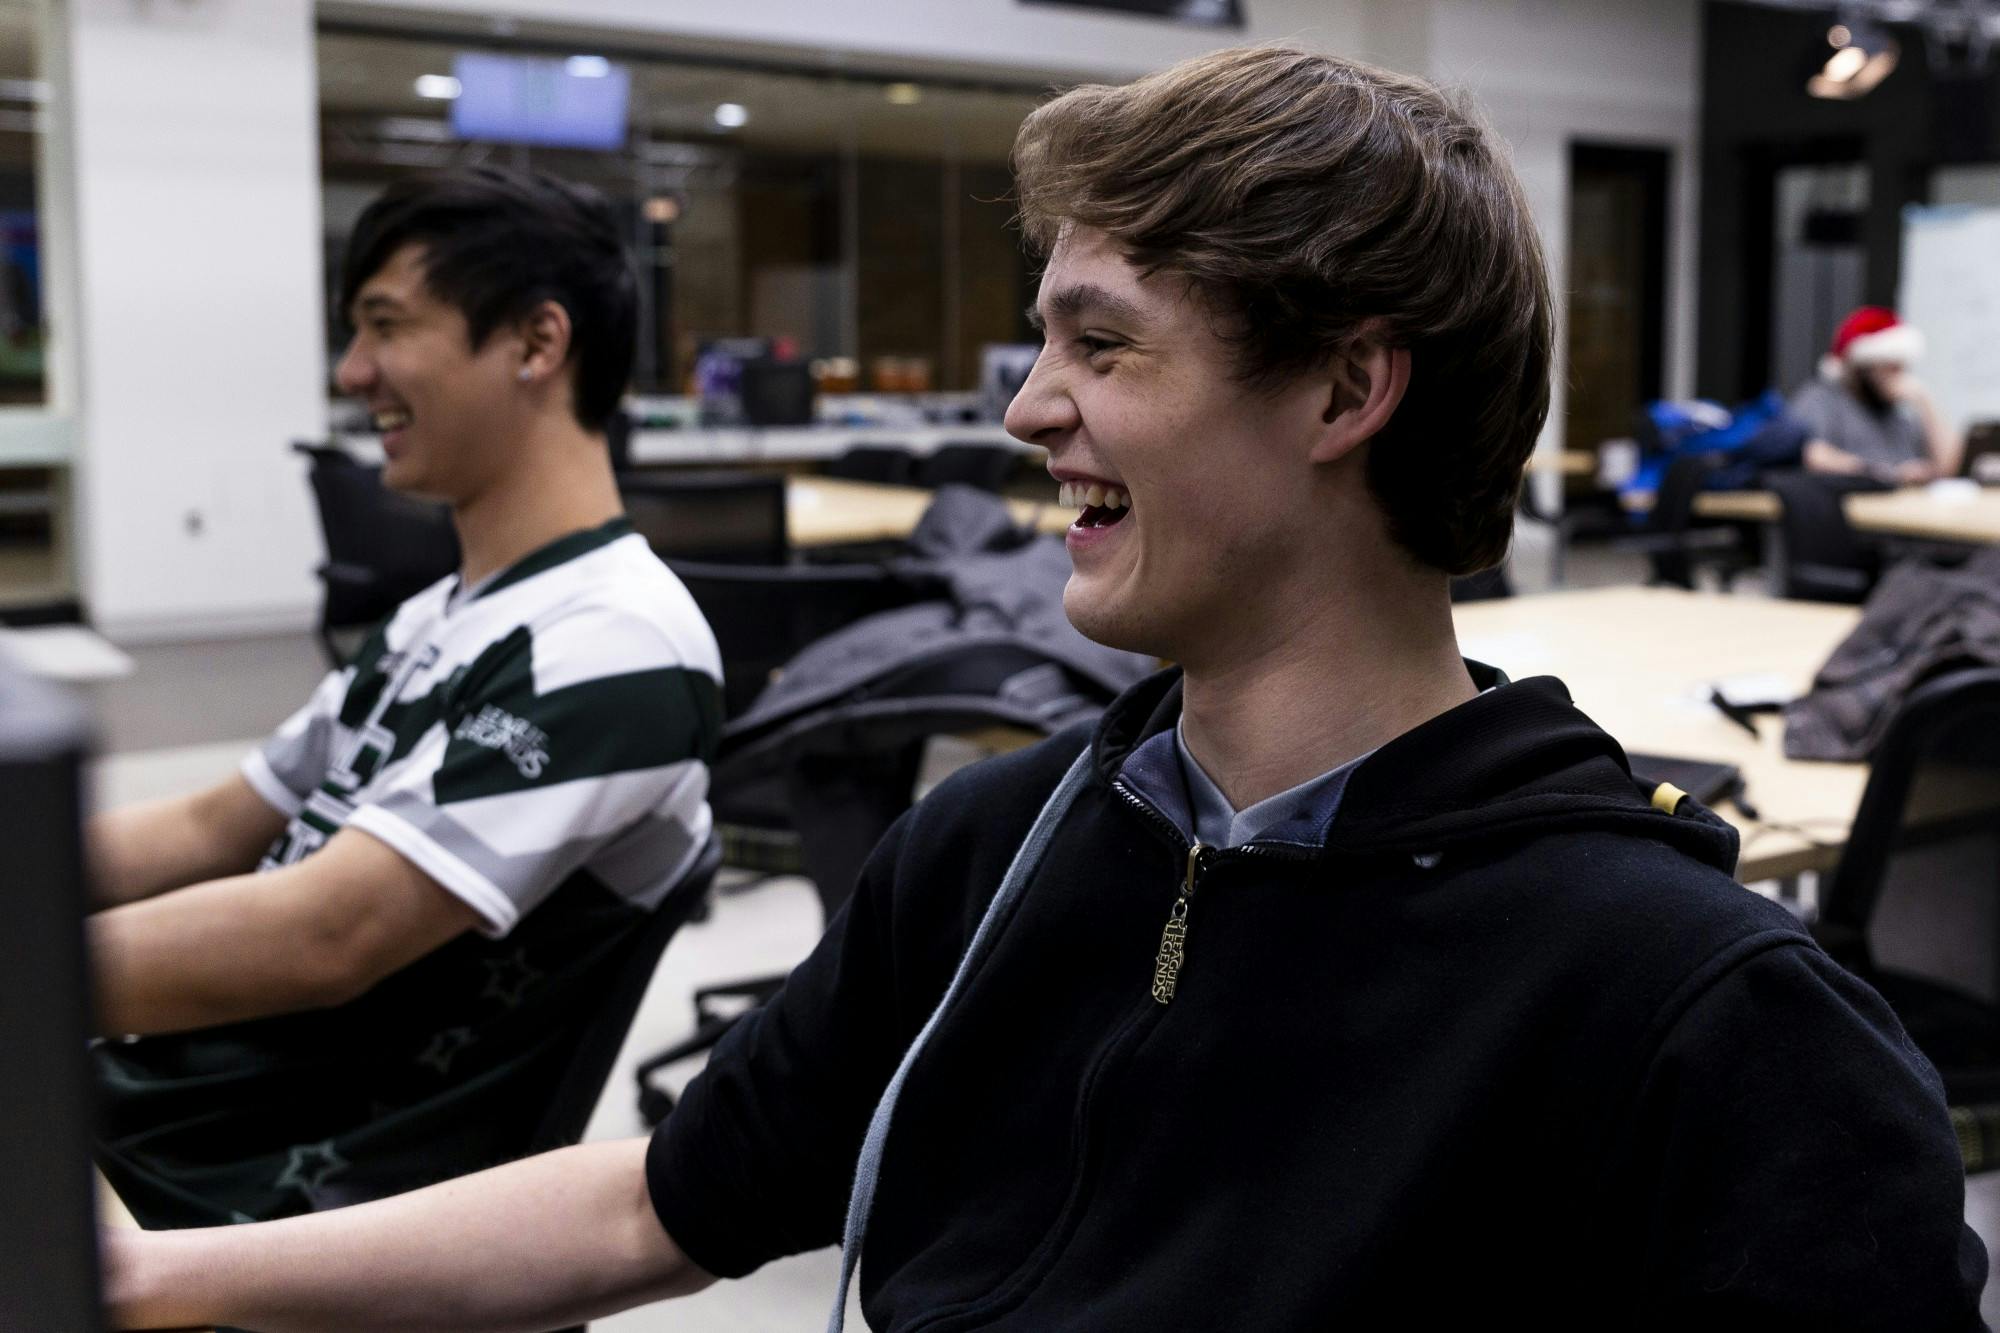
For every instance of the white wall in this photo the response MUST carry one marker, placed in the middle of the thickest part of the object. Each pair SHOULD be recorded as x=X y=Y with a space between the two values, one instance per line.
x=192 y=137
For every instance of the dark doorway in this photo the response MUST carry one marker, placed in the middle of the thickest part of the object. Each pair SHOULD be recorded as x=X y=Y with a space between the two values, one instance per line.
x=1617 y=288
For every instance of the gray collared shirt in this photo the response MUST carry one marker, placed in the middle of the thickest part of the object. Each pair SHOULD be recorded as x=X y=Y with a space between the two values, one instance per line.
x=1311 y=804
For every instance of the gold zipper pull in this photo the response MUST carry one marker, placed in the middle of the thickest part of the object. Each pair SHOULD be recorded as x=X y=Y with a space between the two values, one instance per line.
x=1173 y=940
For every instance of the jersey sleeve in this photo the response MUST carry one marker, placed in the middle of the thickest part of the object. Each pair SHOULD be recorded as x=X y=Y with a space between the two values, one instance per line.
x=560 y=745
x=287 y=766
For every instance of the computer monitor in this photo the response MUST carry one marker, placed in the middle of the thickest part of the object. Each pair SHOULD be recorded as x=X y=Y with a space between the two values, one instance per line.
x=48 y=1249
x=777 y=393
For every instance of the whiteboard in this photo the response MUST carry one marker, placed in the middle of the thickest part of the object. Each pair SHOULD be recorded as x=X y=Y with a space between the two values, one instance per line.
x=1951 y=291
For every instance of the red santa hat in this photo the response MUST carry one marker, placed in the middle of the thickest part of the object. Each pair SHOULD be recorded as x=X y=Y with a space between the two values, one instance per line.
x=1871 y=336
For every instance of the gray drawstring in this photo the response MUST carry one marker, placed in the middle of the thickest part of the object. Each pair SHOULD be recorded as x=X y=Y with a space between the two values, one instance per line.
x=1025 y=863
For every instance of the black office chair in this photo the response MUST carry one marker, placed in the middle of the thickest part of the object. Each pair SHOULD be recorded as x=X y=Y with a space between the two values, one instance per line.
x=1981 y=460
x=1485 y=586
x=888 y=463
x=763 y=615
x=1911 y=906
x=1825 y=560
x=381 y=548
x=735 y=518
x=1671 y=539
x=840 y=775
x=581 y=1085
x=988 y=466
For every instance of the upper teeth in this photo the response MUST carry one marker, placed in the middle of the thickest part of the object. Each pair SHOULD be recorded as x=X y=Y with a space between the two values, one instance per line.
x=1091 y=495
x=391 y=420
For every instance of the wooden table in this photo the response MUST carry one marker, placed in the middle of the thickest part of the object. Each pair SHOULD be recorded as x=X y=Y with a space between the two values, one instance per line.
x=1967 y=516
x=1567 y=462
x=827 y=511
x=1640 y=662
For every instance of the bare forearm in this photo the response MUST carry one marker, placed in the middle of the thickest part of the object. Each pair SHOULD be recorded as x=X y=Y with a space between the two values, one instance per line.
x=1942 y=442
x=142 y=850
x=202 y=956
x=557 y=1239
x=1822 y=456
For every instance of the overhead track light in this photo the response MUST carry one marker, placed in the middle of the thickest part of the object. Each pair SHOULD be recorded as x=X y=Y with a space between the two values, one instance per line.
x=1863 y=54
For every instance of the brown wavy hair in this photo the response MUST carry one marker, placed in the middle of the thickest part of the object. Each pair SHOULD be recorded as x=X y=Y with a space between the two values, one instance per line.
x=1311 y=199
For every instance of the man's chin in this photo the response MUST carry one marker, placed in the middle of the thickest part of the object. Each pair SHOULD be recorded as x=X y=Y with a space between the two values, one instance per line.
x=1105 y=624
x=405 y=478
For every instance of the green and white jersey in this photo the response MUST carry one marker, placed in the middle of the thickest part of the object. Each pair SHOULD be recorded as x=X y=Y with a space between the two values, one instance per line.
x=552 y=720
x=538 y=745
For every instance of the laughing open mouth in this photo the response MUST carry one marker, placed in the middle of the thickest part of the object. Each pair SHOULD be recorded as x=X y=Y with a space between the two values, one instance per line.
x=1102 y=505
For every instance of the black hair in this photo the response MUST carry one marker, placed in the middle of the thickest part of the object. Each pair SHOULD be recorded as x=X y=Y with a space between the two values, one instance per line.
x=497 y=243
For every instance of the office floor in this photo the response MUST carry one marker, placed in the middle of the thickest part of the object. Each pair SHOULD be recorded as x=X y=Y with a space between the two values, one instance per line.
x=188 y=712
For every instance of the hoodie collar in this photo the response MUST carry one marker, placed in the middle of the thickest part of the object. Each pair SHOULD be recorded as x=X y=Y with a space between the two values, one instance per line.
x=1513 y=762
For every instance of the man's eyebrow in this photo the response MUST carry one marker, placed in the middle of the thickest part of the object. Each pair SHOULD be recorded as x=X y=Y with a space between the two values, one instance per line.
x=1087 y=298
x=375 y=303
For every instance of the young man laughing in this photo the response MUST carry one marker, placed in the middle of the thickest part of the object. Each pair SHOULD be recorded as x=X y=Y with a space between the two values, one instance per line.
x=359 y=965
x=1331 y=980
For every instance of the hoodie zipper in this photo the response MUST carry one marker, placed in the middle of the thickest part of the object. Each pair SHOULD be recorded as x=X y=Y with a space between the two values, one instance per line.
x=1172 y=955
x=1173 y=940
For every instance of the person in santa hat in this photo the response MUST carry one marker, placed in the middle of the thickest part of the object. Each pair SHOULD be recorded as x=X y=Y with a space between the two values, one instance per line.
x=1867 y=414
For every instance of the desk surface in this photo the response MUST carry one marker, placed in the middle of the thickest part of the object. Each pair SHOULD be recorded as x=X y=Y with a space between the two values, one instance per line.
x=1640 y=661
x=1968 y=516
x=1959 y=515
x=825 y=511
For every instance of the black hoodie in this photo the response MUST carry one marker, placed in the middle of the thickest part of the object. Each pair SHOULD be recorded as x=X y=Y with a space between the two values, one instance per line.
x=1511 y=1041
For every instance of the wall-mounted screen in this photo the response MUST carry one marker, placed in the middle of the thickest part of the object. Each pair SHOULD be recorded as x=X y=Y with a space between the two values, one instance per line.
x=574 y=103
x=1204 y=13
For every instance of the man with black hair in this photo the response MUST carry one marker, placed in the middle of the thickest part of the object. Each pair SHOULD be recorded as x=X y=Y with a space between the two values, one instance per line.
x=360 y=963
x=1330 y=981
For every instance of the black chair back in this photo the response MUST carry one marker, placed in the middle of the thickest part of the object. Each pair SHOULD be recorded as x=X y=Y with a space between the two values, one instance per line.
x=1825 y=560
x=763 y=615
x=581 y=1083
x=988 y=466
x=1914 y=904
x=1981 y=460
x=715 y=517
x=381 y=548
x=1485 y=586
x=874 y=462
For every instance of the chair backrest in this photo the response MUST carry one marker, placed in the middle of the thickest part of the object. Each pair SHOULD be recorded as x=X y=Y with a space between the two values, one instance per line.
x=1673 y=502
x=1981 y=459
x=581 y=1083
x=716 y=517
x=874 y=462
x=1824 y=558
x=1485 y=586
x=763 y=615
x=381 y=547
x=1936 y=770
x=987 y=466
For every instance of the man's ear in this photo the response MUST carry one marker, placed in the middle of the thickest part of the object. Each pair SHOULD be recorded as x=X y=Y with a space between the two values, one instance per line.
x=545 y=335
x=1365 y=386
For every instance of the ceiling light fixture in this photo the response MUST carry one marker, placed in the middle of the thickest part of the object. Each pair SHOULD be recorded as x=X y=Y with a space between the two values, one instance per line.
x=662 y=209
x=732 y=115
x=1865 y=57
x=438 y=87
x=903 y=94
x=587 y=67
